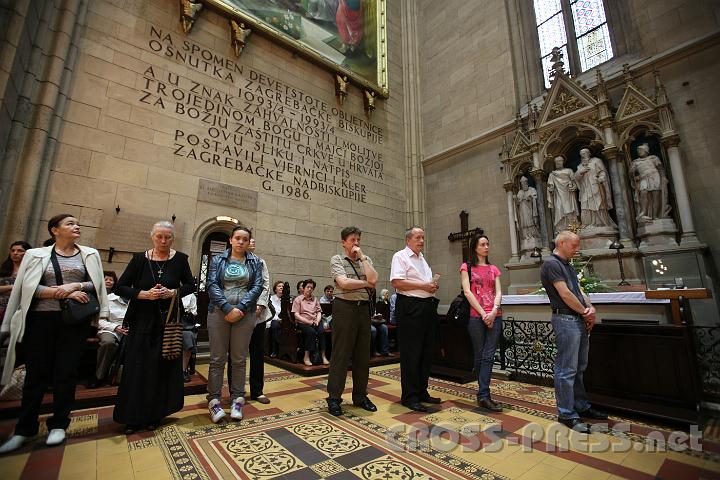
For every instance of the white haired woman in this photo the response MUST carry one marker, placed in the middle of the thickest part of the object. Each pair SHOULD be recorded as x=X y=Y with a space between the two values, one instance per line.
x=151 y=387
x=53 y=346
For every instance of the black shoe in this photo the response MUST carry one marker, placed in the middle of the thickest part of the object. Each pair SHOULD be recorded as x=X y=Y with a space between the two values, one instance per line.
x=334 y=408
x=593 y=414
x=417 y=406
x=130 y=429
x=95 y=383
x=366 y=404
x=489 y=404
x=273 y=355
x=186 y=377
x=575 y=424
x=433 y=400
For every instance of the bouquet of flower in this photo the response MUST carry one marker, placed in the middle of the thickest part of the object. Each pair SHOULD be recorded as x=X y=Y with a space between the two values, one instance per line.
x=589 y=281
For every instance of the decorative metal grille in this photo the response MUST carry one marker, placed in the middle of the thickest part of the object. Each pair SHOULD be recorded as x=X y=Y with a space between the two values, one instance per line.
x=530 y=349
x=707 y=351
x=203 y=273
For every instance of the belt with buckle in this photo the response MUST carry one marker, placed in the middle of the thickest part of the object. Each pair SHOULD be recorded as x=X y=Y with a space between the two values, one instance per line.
x=565 y=311
x=354 y=302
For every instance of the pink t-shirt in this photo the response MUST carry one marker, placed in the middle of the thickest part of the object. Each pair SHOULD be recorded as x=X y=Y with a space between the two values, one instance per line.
x=482 y=285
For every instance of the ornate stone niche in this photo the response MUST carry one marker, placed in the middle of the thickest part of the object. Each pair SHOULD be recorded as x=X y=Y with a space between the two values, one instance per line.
x=622 y=190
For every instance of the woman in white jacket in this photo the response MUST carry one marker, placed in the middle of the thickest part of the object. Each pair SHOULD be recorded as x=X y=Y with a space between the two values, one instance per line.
x=52 y=347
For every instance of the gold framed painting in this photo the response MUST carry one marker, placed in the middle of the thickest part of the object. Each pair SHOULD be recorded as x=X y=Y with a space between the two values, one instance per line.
x=344 y=36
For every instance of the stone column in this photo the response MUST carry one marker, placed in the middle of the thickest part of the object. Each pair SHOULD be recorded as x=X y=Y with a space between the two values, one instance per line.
x=54 y=32
x=511 y=221
x=682 y=199
x=414 y=174
x=539 y=176
x=618 y=181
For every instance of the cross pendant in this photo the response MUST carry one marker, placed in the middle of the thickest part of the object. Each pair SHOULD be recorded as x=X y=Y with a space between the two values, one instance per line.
x=160 y=272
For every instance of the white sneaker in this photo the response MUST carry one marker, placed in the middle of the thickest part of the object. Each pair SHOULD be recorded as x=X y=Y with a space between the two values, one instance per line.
x=55 y=437
x=236 y=408
x=216 y=411
x=13 y=443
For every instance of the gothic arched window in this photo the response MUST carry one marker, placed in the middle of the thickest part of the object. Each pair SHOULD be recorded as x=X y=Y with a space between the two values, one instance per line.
x=579 y=28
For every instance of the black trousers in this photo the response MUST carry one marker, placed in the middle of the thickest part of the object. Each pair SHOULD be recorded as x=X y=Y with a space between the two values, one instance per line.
x=416 y=326
x=314 y=337
x=350 y=342
x=53 y=351
x=257 y=362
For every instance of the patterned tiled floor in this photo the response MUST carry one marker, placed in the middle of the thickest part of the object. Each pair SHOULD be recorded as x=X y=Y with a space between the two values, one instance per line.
x=294 y=438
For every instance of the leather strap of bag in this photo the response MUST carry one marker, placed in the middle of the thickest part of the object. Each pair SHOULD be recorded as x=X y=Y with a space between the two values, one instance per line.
x=173 y=302
x=58 y=273
x=371 y=295
x=56 y=266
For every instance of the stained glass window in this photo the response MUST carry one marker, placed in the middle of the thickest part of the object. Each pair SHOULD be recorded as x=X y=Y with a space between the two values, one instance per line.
x=590 y=43
x=593 y=35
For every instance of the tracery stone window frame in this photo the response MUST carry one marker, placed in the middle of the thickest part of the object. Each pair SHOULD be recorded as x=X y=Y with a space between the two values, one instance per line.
x=572 y=58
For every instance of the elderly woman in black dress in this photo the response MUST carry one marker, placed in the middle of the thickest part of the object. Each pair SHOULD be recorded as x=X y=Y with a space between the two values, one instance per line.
x=151 y=387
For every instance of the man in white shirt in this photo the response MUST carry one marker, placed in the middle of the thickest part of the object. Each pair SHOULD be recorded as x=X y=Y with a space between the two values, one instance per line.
x=416 y=313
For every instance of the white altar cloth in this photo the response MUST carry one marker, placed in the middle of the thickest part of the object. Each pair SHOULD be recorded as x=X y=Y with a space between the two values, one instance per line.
x=595 y=298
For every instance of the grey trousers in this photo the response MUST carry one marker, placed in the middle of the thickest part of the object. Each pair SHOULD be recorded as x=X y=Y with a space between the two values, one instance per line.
x=106 y=354
x=226 y=336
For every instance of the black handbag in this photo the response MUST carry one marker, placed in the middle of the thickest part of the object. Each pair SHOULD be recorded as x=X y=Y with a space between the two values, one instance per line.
x=74 y=312
x=458 y=314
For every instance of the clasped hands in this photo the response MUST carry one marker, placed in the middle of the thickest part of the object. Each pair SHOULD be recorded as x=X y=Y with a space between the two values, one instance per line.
x=122 y=331
x=589 y=317
x=71 y=291
x=234 y=315
x=489 y=319
x=158 y=292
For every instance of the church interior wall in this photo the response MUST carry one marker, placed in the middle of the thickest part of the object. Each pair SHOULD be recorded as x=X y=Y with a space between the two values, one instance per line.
x=468 y=182
x=117 y=150
x=678 y=38
x=466 y=77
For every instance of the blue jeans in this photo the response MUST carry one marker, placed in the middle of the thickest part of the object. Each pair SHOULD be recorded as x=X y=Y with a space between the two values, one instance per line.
x=484 y=342
x=573 y=345
x=382 y=329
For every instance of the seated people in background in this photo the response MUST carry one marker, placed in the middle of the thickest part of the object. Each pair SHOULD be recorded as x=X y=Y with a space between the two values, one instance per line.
x=307 y=316
x=109 y=331
x=379 y=344
x=328 y=297
x=275 y=300
x=9 y=270
x=299 y=288
x=190 y=330
x=382 y=306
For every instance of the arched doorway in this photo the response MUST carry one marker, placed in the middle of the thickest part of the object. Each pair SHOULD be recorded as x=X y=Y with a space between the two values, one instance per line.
x=213 y=244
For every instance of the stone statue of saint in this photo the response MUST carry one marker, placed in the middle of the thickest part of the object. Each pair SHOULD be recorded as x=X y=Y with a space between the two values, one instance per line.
x=594 y=186
x=527 y=213
x=561 y=195
x=650 y=182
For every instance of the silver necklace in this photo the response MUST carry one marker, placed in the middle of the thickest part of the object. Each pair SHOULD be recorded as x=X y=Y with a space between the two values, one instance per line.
x=157 y=264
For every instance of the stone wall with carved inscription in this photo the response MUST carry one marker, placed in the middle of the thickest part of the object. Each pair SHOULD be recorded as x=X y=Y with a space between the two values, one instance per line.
x=160 y=124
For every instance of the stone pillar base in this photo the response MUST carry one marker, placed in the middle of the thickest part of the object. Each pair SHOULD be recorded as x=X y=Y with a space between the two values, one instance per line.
x=527 y=245
x=657 y=233
x=592 y=238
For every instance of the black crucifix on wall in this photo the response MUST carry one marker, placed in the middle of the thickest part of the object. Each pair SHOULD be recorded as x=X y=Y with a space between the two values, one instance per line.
x=465 y=235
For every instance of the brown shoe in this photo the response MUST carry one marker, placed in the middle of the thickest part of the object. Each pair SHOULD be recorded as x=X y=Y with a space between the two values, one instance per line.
x=261 y=399
x=489 y=404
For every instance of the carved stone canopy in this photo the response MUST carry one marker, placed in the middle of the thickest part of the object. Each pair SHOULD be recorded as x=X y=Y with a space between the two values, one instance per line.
x=571 y=116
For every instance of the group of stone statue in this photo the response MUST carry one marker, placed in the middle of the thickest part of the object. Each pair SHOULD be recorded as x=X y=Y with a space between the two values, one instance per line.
x=584 y=196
